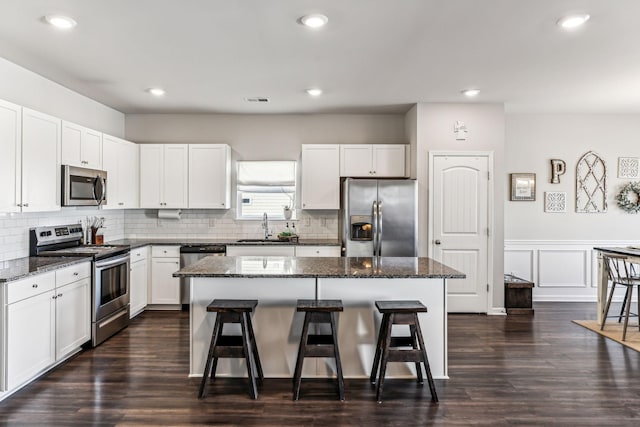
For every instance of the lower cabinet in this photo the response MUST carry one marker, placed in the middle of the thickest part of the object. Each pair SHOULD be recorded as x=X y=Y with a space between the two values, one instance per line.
x=261 y=250
x=138 y=289
x=73 y=316
x=164 y=288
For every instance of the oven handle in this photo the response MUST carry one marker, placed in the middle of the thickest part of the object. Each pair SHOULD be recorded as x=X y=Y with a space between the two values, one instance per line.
x=112 y=261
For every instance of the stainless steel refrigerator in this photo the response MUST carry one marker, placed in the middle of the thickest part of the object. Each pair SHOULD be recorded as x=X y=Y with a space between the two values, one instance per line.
x=379 y=217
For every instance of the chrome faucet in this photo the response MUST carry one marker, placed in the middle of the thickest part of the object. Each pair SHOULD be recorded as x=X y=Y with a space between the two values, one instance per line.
x=265 y=225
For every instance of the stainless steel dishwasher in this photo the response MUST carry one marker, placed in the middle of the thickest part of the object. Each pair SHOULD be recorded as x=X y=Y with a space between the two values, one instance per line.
x=190 y=254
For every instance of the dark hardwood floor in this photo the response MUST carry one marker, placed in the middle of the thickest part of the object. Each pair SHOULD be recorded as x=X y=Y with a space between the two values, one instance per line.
x=540 y=370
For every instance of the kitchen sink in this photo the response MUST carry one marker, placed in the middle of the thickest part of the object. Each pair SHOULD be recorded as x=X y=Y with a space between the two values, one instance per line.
x=258 y=241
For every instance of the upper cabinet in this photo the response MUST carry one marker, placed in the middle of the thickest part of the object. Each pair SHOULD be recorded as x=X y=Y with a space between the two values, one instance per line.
x=164 y=175
x=373 y=161
x=40 y=162
x=320 y=176
x=120 y=159
x=10 y=160
x=209 y=176
x=81 y=146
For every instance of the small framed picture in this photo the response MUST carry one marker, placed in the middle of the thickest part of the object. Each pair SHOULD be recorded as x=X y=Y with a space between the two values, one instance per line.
x=523 y=186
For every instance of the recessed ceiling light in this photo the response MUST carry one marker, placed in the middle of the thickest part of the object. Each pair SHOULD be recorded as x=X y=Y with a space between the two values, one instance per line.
x=313 y=21
x=470 y=92
x=570 y=22
x=314 y=91
x=61 y=21
x=156 y=91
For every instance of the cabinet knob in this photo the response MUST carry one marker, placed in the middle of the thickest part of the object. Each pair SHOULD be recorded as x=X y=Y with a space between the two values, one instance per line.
x=120 y=203
x=75 y=273
x=26 y=205
x=35 y=285
x=437 y=242
x=59 y=295
x=19 y=205
x=54 y=297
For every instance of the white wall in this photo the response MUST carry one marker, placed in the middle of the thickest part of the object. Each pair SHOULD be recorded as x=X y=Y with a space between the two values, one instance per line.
x=485 y=124
x=26 y=88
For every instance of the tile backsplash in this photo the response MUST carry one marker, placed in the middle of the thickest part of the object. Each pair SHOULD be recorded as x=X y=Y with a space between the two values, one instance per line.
x=140 y=223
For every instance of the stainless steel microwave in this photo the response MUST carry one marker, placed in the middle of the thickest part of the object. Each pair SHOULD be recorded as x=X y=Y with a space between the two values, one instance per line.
x=83 y=187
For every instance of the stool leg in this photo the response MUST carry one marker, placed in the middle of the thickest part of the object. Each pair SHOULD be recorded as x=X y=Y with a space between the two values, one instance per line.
x=606 y=307
x=207 y=365
x=297 y=377
x=624 y=303
x=427 y=368
x=376 y=358
x=246 y=345
x=626 y=317
x=414 y=342
x=388 y=322
x=256 y=356
x=334 y=333
x=638 y=298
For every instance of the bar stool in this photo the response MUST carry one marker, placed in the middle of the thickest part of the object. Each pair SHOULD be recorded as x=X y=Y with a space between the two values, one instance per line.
x=401 y=313
x=236 y=346
x=621 y=272
x=318 y=345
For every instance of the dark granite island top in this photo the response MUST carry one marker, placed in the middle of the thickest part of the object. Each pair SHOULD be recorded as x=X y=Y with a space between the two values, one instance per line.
x=312 y=267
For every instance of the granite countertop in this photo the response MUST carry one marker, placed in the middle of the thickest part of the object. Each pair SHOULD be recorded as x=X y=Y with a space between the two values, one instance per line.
x=630 y=250
x=181 y=241
x=309 y=267
x=28 y=266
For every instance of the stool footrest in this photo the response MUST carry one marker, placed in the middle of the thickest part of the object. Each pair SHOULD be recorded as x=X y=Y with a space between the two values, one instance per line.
x=319 y=339
x=405 y=356
x=401 y=342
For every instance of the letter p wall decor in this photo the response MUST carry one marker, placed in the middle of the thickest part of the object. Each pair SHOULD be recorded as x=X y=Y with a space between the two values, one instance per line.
x=558 y=167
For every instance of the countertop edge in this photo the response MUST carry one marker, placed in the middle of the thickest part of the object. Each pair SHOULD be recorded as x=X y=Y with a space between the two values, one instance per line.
x=56 y=264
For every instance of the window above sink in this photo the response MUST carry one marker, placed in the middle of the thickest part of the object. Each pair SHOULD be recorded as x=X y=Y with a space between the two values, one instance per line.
x=266 y=186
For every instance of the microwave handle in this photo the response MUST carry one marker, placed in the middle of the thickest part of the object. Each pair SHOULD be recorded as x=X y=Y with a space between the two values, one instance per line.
x=99 y=182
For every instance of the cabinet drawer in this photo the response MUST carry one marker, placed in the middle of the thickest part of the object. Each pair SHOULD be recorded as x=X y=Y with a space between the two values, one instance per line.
x=73 y=273
x=139 y=254
x=34 y=285
x=165 y=251
x=318 y=251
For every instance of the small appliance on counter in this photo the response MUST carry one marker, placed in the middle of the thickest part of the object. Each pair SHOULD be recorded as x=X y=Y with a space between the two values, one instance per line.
x=378 y=217
x=110 y=277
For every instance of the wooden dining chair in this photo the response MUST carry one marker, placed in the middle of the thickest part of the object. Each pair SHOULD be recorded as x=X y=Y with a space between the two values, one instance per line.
x=621 y=272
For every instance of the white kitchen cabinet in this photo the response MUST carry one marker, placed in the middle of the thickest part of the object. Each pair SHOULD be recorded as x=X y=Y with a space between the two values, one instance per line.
x=373 y=160
x=261 y=250
x=320 y=176
x=40 y=162
x=120 y=159
x=318 y=251
x=164 y=175
x=11 y=158
x=73 y=316
x=164 y=288
x=81 y=146
x=209 y=176
x=138 y=281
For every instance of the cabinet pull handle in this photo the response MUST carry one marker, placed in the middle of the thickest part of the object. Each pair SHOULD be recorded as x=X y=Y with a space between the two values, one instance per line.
x=59 y=295
x=54 y=297
x=35 y=285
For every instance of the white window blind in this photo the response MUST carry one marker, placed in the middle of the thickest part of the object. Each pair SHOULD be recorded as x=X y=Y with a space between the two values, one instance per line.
x=265 y=187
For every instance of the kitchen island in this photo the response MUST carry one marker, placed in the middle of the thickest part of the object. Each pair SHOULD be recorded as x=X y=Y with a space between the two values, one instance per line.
x=278 y=282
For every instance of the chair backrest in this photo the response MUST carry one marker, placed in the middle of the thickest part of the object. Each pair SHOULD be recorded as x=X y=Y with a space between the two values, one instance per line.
x=619 y=269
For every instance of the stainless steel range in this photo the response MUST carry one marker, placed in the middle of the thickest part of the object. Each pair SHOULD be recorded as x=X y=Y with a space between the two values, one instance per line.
x=110 y=279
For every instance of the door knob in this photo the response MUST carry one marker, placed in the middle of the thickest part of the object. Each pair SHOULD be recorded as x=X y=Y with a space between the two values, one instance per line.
x=437 y=242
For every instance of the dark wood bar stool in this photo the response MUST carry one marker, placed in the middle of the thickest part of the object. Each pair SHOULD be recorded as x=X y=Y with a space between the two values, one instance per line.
x=401 y=313
x=236 y=346
x=318 y=345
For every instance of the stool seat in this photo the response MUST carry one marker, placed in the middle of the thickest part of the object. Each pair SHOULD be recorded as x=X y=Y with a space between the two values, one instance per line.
x=233 y=346
x=389 y=348
x=318 y=345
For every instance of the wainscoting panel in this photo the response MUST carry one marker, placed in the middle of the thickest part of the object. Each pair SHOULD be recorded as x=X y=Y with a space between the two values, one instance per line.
x=562 y=270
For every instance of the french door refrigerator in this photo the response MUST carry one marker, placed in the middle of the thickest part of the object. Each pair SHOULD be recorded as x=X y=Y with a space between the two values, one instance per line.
x=379 y=217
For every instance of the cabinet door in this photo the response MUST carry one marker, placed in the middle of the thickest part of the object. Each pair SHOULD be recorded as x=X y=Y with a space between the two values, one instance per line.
x=209 y=176
x=261 y=250
x=389 y=160
x=176 y=180
x=129 y=176
x=151 y=175
x=11 y=158
x=71 y=142
x=40 y=162
x=138 y=288
x=111 y=163
x=321 y=176
x=356 y=160
x=165 y=289
x=73 y=316
x=91 y=148
x=30 y=337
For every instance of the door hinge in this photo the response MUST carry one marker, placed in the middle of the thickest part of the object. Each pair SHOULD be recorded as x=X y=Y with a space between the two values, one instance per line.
x=487 y=287
x=488 y=176
x=488 y=234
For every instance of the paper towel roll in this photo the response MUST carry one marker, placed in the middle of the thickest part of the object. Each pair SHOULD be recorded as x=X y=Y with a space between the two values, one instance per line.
x=169 y=213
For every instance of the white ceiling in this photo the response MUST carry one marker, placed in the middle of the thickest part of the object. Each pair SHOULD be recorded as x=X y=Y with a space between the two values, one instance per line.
x=373 y=55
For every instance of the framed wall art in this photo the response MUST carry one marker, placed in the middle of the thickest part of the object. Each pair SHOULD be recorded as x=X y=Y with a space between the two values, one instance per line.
x=523 y=186
x=555 y=201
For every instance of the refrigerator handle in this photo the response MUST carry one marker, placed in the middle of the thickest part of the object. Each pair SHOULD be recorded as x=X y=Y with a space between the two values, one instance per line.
x=374 y=225
x=379 y=228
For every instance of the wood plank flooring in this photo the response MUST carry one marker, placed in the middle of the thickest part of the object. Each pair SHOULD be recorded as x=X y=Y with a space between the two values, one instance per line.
x=539 y=370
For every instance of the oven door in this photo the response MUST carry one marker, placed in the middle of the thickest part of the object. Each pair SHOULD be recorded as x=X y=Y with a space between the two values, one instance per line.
x=111 y=286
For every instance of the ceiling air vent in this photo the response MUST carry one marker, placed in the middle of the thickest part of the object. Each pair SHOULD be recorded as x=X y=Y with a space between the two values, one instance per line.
x=258 y=99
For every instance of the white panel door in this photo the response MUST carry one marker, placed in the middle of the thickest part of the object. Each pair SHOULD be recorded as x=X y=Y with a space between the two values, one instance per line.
x=460 y=227
x=389 y=160
x=176 y=180
x=356 y=160
x=111 y=158
x=10 y=160
x=320 y=176
x=209 y=176
x=129 y=175
x=71 y=144
x=165 y=289
x=73 y=316
x=92 y=148
x=138 y=286
x=151 y=175
x=40 y=162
